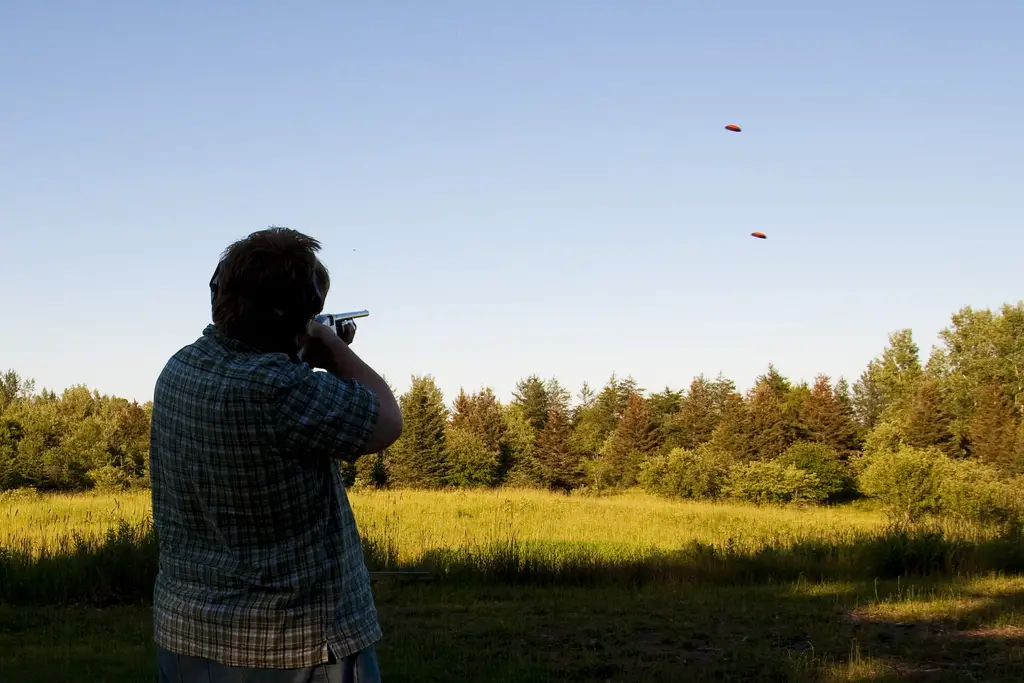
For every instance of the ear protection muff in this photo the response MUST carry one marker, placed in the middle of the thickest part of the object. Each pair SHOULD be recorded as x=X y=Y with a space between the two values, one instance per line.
x=316 y=299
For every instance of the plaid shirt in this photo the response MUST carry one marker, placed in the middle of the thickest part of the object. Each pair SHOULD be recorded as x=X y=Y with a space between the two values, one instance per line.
x=260 y=560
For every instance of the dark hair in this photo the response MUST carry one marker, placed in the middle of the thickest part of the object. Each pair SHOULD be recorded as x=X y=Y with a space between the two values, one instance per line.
x=267 y=286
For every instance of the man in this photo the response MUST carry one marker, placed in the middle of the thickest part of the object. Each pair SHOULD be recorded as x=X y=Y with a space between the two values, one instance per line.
x=261 y=574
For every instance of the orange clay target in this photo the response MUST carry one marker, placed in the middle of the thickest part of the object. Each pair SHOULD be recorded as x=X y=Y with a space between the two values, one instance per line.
x=759 y=235
x=733 y=127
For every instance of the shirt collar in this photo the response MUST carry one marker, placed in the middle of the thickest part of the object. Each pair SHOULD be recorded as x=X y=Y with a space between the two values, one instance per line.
x=211 y=332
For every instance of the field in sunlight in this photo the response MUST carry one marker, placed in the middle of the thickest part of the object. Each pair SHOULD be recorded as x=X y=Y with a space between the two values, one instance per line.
x=406 y=526
x=535 y=586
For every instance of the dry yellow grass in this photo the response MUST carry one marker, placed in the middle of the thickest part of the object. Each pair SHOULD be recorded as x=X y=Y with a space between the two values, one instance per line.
x=414 y=523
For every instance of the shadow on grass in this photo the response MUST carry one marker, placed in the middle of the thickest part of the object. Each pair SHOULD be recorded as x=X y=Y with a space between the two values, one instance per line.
x=121 y=567
x=117 y=568
x=859 y=631
x=978 y=637
x=888 y=554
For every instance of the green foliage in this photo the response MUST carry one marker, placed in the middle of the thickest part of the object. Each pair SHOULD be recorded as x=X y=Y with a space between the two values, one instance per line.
x=826 y=416
x=472 y=462
x=928 y=423
x=973 y=492
x=371 y=471
x=532 y=397
x=823 y=462
x=108 y=478
x=698 y=474
x=419 y=458
x=556 y=465
x=992 y=429
x=772 y=427
x=634 y=439
x=967 y=401
x=699 y=413
x=598 y=416
x=889 y=382
x=886 y=437
x=906 y=481
x=767 y=482
x=517 y=447
x=733 y=432
x=65 y=442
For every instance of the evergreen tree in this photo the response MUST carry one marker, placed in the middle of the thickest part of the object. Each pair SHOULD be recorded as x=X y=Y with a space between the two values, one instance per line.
x=517 y=467
x=634 y=438
x=480 y=414
x=928 y=422
x=771 y=424
x=891 y=381
x=826 y=417
x=663 y=407
x=584 y=400
x=470 y=461
x=595 y=422
x=700 y=410
x=734 y=432
x=531 y=395
x=993 y=429
x=418 y=458
x=557 y=465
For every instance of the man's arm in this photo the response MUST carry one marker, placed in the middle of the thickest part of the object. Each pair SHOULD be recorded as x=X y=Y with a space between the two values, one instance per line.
x=344 y=364
x=343 y=413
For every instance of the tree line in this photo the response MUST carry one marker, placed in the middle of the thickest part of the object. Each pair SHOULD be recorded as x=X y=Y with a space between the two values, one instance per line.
x=781 y=439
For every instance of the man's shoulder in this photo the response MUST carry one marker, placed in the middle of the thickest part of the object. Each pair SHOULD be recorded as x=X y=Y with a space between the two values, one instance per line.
x=209 y=362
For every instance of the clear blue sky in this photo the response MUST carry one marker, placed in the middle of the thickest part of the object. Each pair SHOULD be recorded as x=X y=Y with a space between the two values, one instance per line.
x=529 y=187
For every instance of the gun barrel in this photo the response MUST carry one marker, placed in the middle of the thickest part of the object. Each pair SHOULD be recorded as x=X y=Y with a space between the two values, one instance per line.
x=331 y=318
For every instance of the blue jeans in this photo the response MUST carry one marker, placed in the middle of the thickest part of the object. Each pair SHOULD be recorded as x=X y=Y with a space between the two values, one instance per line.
x=358 y=668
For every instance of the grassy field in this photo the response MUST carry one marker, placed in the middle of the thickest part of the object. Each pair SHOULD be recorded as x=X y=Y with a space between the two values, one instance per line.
x=537 y=587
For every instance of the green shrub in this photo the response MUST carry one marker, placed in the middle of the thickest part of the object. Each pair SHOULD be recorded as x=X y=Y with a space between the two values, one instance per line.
x=887 y=437
x=109 y=478
x=824 y=463
x=653 y=475
x=906 y=481
x=699 y=473
x=973 y=492
x=371 y=471
x=771 y=482
x=472 y=463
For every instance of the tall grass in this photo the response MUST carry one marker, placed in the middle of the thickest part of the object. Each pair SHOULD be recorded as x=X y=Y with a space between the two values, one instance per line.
x=101 y=548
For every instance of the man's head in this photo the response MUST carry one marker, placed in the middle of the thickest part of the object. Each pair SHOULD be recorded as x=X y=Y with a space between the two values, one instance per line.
x=267 y=288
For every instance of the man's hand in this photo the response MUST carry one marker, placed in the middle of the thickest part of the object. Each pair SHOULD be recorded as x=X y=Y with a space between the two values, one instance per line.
x=347 y=330
x=317 y=346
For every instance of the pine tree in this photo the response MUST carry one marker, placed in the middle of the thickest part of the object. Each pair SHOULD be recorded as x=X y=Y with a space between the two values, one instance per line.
x=663 y=407
x=891 y=381
x=418 y=459
x=993 y=429
x=699 y=412
x=826 y=417
x=531 y=395
x=793 y=407
x=634 y=438
x=734 y=431
x=928 y=422
x=771 y=424
x=480 y=414
x=557 y=466
x=584 y=400
x=594 y=422
x=461 y=408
